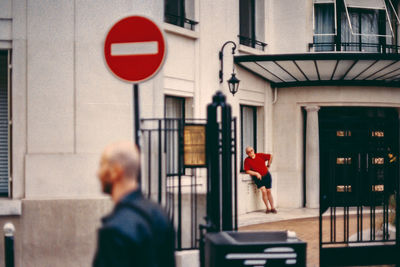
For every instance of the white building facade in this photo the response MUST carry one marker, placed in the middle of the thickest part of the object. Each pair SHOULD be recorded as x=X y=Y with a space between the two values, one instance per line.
x=60 y=105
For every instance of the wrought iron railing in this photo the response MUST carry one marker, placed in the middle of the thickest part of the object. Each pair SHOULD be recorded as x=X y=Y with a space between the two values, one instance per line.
x=180 y=21
x=251 y=42
x=354 y=47
x=181 y=191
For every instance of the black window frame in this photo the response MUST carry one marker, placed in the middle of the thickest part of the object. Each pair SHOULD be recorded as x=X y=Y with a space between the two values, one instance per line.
x=340 y=45
x=173 y=128
x=242 y=153
x=247 y=19
x=178 y=98
x=175 y=13
x=247 y=22
x=6 y=99
x=359 y=11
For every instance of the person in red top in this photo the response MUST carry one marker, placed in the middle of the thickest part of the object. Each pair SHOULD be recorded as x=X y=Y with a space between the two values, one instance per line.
x=254 y=165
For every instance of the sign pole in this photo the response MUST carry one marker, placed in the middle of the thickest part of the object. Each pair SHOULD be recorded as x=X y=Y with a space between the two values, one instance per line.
x=136 y=125
x=136 y=113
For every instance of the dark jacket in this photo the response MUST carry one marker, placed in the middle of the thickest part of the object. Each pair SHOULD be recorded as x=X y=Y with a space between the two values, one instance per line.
x=136 y=233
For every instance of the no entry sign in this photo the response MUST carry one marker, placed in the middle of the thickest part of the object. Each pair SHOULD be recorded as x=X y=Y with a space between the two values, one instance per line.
x=134 y=49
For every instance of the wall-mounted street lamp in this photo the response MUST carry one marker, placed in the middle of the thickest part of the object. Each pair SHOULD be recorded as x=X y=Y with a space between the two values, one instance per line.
x=233 y=82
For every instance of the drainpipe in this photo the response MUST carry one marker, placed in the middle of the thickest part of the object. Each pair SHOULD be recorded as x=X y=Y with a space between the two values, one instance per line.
x=275 y=95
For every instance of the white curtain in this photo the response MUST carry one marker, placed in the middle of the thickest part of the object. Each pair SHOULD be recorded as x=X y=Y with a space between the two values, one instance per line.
x=324 y=24
x=363 y=36
x=369 y=27
x=350 y=42
x=248 y=127
x=174 y=111
x=189 y=9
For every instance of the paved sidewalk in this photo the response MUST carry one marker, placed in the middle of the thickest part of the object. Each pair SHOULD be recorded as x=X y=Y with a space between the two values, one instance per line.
x=283 y=214
x=303 y=221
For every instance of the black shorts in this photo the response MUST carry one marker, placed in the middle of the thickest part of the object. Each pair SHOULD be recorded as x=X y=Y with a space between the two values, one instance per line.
x=266 y=181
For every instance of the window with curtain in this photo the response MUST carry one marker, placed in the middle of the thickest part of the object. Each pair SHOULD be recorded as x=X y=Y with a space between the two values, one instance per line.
x=252 y=23
x=364 y=30
x=353 y=25
x=174 y=119
x=4 y=125
x=248 y=127
x=180 y=13
x=324 y=26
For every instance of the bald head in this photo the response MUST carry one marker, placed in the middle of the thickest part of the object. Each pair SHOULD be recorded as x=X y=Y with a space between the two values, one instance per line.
x=250 y=152
x=126 y=155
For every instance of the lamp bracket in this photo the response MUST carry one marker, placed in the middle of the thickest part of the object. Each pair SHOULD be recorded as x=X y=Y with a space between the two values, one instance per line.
x=221 y=59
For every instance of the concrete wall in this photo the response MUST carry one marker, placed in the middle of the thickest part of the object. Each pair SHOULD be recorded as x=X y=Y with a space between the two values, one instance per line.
x=59 y=232
x=66 y=107
x=75 y=105
x=288 y=128
x=291 y=26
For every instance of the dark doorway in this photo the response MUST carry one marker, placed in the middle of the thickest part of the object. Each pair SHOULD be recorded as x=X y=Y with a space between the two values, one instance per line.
x=358 y=181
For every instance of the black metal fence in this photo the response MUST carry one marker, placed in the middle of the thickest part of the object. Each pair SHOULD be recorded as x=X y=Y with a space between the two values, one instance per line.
x=164 y=178
x=252 y=42
x=180 y=21
x=359 y=189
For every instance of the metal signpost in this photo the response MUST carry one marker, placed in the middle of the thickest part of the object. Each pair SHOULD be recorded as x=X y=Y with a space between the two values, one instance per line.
x=134 y=50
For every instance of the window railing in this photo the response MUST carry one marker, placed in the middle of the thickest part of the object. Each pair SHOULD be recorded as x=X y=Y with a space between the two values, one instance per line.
x=180 y=21
x=354 y=47
x=251 y=42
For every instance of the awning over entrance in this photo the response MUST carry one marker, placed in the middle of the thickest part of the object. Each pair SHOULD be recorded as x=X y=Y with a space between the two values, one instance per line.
x=325 y=69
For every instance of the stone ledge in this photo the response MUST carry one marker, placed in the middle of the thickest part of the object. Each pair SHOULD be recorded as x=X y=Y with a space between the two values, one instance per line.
x=177 y=30
x=10 y=207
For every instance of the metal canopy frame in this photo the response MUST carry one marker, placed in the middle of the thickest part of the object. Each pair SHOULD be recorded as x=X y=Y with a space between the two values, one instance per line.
x=317 y=69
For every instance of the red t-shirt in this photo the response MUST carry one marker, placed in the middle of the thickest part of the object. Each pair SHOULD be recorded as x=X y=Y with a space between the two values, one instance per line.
x=257 y=164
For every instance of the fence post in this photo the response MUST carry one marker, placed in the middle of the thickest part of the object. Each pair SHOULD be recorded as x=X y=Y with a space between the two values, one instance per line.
x=219 y=170
x=9 y=230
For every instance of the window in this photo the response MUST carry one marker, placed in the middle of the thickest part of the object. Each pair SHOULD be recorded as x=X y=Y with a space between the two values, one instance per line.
x=252 y=23
x=174 y=119
x=324 y=24
x=248 y=128
x=4 y=125
x=180 y=13
x=354 y=25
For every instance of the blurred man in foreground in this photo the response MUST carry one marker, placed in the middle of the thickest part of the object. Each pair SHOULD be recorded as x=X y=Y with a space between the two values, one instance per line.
x=137 y=232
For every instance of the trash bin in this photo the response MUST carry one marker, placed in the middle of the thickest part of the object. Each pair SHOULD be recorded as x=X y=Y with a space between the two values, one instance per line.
x=257 y=249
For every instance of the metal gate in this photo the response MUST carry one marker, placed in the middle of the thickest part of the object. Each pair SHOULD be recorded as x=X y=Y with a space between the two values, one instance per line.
x=164 y=178
x=359 y=193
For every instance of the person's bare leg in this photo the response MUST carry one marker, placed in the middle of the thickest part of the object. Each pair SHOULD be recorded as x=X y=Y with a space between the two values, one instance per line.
x=270 y=198
x=264 y=196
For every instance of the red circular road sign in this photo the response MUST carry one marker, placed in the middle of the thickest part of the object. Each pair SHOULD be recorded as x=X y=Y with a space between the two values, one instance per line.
x=134 y=49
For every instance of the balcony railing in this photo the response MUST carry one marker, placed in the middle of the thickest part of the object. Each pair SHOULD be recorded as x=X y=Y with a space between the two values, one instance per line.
x=354 y=47
x=251 y=42
x=180 y=21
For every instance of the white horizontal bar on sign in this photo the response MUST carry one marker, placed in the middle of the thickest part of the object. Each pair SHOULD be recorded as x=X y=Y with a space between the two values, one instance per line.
x=134 y=48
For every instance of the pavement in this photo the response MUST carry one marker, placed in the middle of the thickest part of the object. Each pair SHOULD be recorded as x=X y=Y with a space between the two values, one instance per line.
x=303 y=221
x=283 y=214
